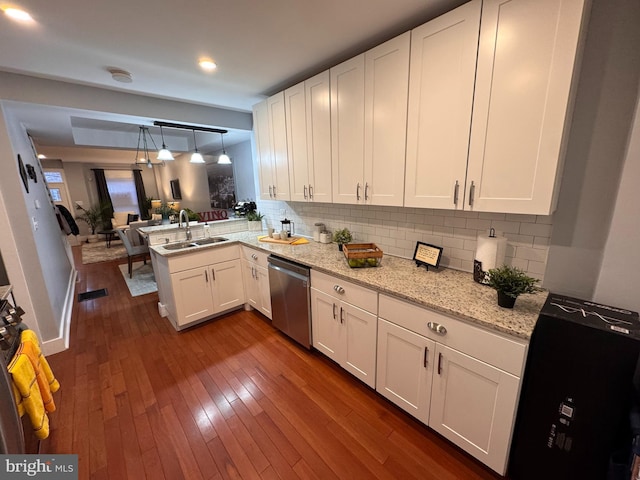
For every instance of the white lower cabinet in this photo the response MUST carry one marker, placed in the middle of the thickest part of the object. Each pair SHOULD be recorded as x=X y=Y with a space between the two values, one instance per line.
x=461 y=380
x=344 y=324
x=199 y=285
x=256 y=280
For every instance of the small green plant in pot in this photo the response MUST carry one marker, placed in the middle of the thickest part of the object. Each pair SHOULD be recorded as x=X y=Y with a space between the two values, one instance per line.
x=254 y=220
x=341 y=237
x=511 y=282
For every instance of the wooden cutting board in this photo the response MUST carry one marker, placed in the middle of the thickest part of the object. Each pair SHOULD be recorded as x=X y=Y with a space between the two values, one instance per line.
x=288 y=241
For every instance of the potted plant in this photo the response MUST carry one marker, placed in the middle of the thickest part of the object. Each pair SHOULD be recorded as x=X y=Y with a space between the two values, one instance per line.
x=254 y=220
x=341 y=237
x=94 y=216
x=166 y=211
x=510 y=282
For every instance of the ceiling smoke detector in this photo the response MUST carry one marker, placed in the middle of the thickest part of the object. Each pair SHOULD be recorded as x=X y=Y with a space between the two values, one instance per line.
x=120 y=75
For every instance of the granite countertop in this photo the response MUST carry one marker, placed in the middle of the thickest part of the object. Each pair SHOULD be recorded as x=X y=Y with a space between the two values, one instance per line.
x=445 y=290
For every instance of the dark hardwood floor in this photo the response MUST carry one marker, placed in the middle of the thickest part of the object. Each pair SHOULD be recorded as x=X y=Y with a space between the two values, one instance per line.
x=232 y=398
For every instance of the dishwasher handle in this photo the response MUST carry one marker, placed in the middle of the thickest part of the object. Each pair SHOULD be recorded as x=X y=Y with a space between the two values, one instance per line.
x=286 y=271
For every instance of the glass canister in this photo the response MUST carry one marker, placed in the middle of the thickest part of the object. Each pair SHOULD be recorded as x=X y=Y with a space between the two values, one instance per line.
x=317 y=230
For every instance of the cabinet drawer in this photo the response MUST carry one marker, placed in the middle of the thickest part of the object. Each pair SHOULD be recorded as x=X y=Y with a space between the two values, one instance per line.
x=502 y=352
x=339 y=289
x=255 y=256
x=206 y=256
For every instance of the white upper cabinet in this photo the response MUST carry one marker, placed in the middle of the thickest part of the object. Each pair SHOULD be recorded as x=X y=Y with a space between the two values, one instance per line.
x=368 y=125
x=526 y=59
x=271 y=143
x=443 y=64
x=386 y=91
x=308 y=118
x=347 y=130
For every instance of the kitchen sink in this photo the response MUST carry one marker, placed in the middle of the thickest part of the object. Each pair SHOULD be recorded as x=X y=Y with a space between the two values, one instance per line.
x=194 y=243
x=209 y=241
x=179 y=246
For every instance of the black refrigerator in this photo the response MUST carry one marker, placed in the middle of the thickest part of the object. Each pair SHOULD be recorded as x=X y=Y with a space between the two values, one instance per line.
x=577 y=416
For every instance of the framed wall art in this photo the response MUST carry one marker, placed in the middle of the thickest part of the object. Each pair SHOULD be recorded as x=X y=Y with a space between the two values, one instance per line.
x=23 y=173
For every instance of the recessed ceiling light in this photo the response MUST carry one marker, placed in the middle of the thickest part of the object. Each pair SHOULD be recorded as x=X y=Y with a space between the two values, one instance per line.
x=17 y=14
x=207 y=64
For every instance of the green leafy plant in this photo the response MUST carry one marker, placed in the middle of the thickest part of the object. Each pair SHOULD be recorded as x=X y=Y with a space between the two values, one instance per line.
x=193 y=216
x=94 y=216
x=254 y=216
x=165 y=210
x=511 y=281
x=342 y=236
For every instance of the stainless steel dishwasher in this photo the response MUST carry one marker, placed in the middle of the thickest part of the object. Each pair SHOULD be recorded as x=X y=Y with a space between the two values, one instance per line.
x=290 y=299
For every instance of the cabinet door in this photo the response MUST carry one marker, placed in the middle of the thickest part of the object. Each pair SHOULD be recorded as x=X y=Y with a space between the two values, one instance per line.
x=443 y=64
x=264 y=291
x=405 y=368
x=473 y=404
x=192 y=292
x=296 y=116
x=278 y=131
x=325 y=324
x=358 y=355
x=250 y=284
x=526 y=58
x=347 y=131
x=317 y=94
x=262 y=137
x=227 y=288
x=386 y=88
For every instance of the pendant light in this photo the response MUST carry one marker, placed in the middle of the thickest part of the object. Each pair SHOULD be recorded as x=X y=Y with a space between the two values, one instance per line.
x=196 y=157
x=224 y=158
x=164 y=153
x=142 y=135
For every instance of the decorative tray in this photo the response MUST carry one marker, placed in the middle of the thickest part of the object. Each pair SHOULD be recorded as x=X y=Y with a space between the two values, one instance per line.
x=361 y=255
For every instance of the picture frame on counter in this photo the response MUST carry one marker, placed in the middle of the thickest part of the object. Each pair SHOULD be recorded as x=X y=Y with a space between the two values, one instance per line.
x=427 y=255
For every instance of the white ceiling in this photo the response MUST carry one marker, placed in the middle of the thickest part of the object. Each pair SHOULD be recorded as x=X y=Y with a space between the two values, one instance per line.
x=260 y=47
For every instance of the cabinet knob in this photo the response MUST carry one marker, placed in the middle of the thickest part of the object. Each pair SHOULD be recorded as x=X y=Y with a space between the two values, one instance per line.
x=254 y=256
x=436 y=327
x=338 y=289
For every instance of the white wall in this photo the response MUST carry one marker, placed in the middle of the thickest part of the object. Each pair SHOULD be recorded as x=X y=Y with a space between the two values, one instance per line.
x=37 y=258
x=619 y=279
x=599 y=136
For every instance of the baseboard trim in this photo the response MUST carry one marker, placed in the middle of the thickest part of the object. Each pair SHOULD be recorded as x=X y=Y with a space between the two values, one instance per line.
x=61 y=343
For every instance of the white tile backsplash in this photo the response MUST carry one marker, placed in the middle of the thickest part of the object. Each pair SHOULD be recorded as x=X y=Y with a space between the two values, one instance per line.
x=396 y=229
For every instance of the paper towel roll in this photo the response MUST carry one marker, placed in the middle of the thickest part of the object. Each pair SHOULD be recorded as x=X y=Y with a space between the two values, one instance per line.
x=490 y=251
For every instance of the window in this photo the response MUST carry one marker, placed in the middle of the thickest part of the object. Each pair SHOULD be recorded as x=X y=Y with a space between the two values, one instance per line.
x=122 y=190
x=55 y=194
x=53 y=177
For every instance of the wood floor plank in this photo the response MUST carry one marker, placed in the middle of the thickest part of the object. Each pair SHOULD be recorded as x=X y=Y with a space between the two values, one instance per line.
x=228 y=399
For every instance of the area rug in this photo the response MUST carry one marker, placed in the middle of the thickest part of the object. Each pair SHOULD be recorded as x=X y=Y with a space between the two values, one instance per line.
x=98 y=252
x=143 y=281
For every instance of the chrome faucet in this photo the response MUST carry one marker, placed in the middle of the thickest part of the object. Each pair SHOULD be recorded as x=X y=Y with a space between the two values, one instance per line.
x=187 y=227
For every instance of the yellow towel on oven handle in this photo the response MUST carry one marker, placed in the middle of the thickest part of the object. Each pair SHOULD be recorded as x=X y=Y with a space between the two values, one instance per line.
x=30 y=337
x=27 y=392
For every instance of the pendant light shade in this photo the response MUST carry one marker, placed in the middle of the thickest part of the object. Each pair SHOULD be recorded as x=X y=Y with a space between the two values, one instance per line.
x=164 y=154
x=196 y=157
x=224 y=158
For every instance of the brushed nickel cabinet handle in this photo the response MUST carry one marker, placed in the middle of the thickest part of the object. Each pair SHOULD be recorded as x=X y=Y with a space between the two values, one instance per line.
x=310 y=192
x=439 y=363
x=334 y=311
x=358 y=191
x=270 y=192
x=304 y=192
x=341 y=317
x=472 y=191
x=366 y=191
x=206 y=277
x=426 y=355
x=455 y=193
x=438 y=328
